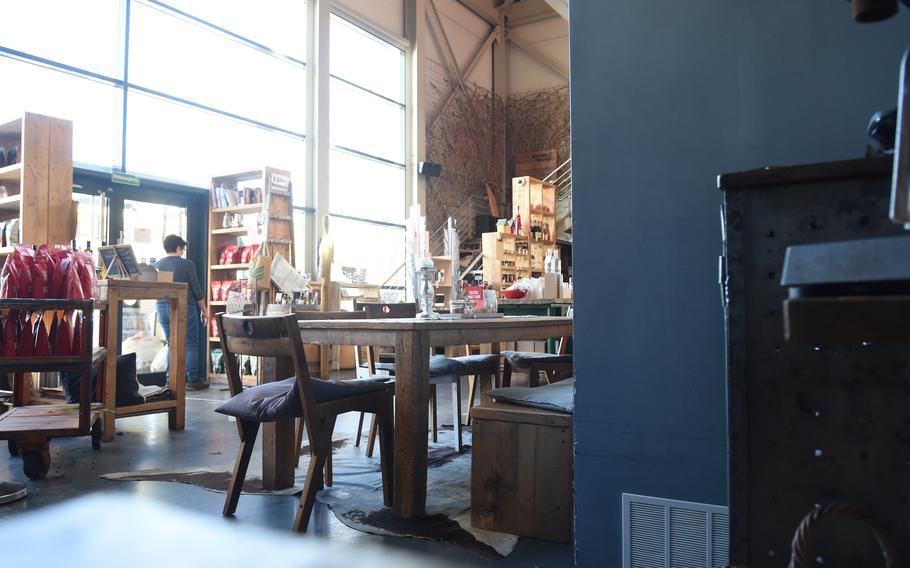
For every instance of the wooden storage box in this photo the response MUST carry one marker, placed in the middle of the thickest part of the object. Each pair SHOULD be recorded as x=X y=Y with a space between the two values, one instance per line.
x=521 y=471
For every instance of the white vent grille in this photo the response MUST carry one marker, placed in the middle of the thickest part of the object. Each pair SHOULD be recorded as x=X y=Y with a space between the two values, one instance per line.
x=664 y=533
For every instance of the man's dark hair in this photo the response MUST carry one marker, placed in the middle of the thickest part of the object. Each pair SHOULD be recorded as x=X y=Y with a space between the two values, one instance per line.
x=171 y=242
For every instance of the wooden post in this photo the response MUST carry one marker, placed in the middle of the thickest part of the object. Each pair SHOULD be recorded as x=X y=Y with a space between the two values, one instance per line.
x=110 y=362
x=177 y=359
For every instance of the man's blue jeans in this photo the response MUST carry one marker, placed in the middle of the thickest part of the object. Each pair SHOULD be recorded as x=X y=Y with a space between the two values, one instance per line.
x=192 y=336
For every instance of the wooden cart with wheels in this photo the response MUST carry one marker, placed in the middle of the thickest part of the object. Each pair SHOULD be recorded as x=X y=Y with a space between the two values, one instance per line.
x=28 y=429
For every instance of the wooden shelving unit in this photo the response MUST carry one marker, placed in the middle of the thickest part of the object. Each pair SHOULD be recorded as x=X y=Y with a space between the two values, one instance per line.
x=268 y=221
x=504 y=261
x=39 y=187
x=535 y=202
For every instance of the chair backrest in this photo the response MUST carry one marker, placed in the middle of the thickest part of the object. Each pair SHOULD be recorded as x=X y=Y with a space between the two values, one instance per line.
x=264 y=336
x=379 y=310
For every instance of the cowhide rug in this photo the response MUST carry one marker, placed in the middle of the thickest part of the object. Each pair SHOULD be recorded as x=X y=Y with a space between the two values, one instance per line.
x=356 y=494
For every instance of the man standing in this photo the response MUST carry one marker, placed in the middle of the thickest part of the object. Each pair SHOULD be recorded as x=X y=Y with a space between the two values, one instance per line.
x=184 y=271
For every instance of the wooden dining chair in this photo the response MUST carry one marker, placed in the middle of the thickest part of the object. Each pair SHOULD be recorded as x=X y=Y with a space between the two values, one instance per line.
x=443 y=371
x=556 y=366
x=307 y=315
x=484 y=375
x=318 y=402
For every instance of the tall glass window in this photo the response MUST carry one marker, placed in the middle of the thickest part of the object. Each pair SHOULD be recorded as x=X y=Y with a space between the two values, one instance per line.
x=218 y=95
x=212 y=86
x=367 y=187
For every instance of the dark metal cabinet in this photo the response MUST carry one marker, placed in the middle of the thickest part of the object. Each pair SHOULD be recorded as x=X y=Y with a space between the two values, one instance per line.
x=808 y=424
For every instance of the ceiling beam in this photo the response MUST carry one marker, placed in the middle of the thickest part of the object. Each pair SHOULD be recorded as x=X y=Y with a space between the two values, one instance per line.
x=539 y=55
x=532 y=19
x=483 y=9
x=447 y=45
x=561 y=7
x=467 y=73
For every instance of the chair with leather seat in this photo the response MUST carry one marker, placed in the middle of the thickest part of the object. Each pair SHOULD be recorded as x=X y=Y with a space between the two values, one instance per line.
x=443 y=371
x=483 y=372
x=556 y=366
x=318 y=402
x=329 y=315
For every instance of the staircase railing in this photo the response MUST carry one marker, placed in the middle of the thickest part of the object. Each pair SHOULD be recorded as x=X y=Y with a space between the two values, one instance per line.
x=561 y=177
x=464 y=221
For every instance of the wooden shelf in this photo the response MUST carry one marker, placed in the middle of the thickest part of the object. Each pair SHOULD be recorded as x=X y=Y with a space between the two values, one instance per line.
x=248 y=208
x=277 y=229
x=11 y=174
x=231 y=231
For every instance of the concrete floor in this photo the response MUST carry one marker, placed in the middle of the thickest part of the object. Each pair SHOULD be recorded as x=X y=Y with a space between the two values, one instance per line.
x=210 y=439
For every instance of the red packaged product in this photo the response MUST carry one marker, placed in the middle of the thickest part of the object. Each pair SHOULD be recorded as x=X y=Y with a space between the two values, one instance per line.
x=25 y=257
x=225 y=288
x=52 y=336
x=58 y=280
x=237 y=254
x=230 y=255
x=215 y=286
x=42 y=343
x=72 y=285
x=214 y=326
x=63 y=345
x=77 y=335
x=26 y=340
x=9 y=334
x=42 y=273
x=9 y=279
x=248 y=253
x=86 y=273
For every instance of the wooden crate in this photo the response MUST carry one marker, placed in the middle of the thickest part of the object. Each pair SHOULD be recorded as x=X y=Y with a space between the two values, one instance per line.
x=521 y=471
x=536 y=164
x=535 y=202
x=501 y=249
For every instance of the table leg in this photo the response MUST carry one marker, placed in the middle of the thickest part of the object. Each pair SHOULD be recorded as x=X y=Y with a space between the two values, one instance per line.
x=412 y=397
x=110 y=365
x=278 y=455
x=177 y=363
x=279 y=439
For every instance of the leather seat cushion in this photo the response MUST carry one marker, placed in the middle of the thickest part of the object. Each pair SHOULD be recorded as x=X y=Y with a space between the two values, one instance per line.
x=279 y=400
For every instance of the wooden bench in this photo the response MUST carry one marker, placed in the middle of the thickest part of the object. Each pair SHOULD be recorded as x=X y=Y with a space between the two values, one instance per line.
x=521 y=472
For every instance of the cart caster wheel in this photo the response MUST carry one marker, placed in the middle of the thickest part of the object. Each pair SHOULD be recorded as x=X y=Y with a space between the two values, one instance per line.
x=36 y=464
x=97 y=433
x=13 y=448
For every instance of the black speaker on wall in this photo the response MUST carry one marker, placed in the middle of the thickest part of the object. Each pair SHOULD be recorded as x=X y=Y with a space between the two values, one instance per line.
x=429 y=169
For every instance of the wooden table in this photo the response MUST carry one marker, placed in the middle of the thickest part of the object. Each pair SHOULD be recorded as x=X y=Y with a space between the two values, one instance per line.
x=412 y=340
x=112 y=291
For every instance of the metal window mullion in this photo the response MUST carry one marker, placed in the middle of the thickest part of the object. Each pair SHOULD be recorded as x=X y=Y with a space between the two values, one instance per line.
x=125 y=61
x=368 y=221
x=242 y=40
x=367 y=156
x=55 y=65
x=367 y=91
x=213 y=110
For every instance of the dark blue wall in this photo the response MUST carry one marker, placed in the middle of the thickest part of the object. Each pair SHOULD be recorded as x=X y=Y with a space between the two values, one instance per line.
x=666 y=94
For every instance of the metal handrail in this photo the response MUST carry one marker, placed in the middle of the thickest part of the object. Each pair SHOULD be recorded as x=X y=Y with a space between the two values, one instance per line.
x=463 y=217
